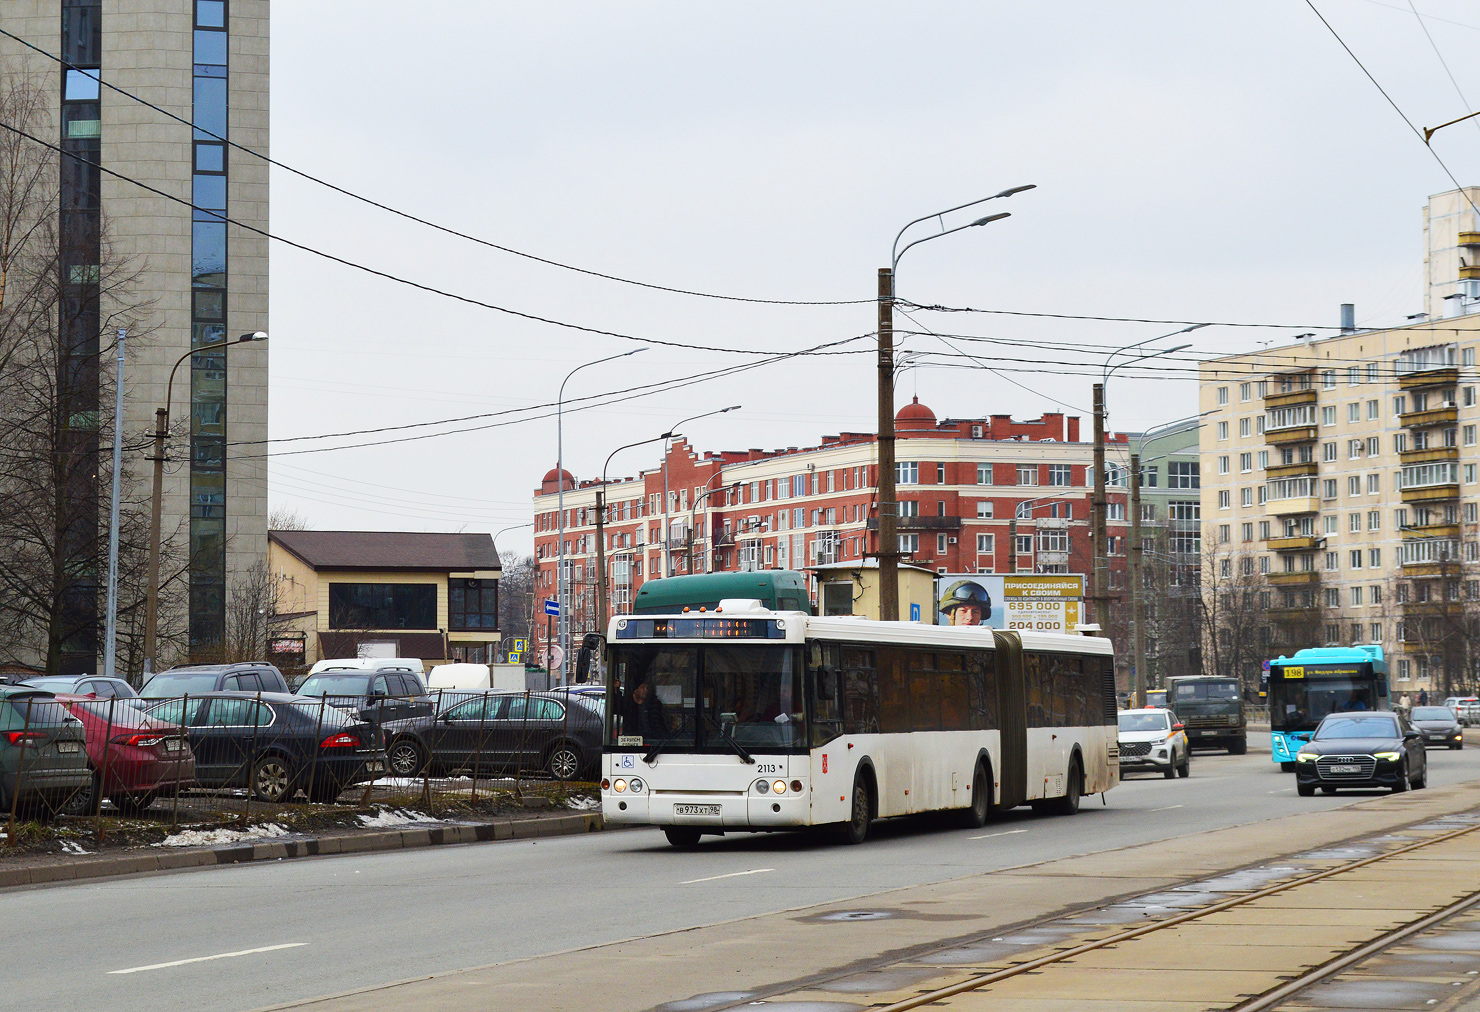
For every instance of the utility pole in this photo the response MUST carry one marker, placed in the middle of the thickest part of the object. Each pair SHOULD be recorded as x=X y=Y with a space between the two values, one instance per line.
x=1138 y=596
x=1012 y=543
x=151 y=597
x=1099 y=582
x=888 y=505
x=110 y=635
x=601 y=595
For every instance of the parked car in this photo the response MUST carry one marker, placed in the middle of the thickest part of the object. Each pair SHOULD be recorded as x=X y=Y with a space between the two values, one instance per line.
x=374 y=696
x=43 y=753
x=133 y=758
x=1362 y=749
x=499 y=733
x=83 y=685
x=201 y=678
x=1460 y=705
x=1438 y=725
x=1469 y=713
x=276 y=745
x=1152 y=739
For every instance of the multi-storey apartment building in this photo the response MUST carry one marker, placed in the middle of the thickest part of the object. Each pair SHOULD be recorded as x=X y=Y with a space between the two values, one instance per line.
x=203 y=67
x=1171 y=539
x=963 y=486
x=1341 y=490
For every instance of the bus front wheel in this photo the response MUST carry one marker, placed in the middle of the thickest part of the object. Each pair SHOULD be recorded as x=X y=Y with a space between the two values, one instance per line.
x=855 y=830
x=975 y=815
x=1287 y=767
x=682 y=836
x=1068 y=804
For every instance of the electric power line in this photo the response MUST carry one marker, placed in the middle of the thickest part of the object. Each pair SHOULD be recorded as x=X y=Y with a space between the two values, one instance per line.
x=96 y=75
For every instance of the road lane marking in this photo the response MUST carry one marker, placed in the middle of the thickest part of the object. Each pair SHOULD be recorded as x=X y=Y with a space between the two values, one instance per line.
x=206 y=959
x=990 y=835
x=733 y=874
x=1283 y=790
x=1168 y=808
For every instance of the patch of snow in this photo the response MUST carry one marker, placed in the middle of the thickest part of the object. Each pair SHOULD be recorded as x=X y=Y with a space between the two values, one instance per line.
x=387 y=817
x=209 y=837
x=587 y=804
x=73 y=847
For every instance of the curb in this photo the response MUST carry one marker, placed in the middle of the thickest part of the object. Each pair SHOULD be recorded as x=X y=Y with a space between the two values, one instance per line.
x=105 y=866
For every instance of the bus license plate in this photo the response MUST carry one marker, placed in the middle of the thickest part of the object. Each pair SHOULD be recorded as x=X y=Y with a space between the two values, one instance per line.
x=696 y=810
x=68 y=746
x=1346 y=769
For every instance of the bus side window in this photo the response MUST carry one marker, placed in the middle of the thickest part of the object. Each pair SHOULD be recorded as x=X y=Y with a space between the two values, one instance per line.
x=955 y=710
x=860 y=691
x=827 y=703
x=1037 y=688
x=982 y=690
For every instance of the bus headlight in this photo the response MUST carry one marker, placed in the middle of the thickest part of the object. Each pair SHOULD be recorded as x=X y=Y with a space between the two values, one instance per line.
x=1387 y=757
x=779 y=787
x=619 y=786
x=635 y=785
x=763 y=786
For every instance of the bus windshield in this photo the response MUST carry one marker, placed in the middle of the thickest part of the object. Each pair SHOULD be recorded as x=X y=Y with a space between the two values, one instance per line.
x=684 y=697
x=1299 y=704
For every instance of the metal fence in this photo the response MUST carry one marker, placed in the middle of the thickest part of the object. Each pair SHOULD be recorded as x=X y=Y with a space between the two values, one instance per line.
x=245 y=755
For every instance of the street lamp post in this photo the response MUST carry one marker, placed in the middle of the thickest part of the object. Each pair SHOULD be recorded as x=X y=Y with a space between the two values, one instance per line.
x=561 y=591
x=673 y=430
x=888 y=505
x=601 y=589
x=694 y=511
x=161 y=431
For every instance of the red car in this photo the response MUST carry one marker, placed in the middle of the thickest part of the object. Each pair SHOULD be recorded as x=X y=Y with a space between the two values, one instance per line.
x=134 y=757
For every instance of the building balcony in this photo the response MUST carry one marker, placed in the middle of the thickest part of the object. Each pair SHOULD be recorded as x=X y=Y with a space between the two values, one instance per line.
x=1450 y=531
x=1431 y=493
x=1298 y=543
x=1447 y=415
x=1469 y=273
x=903 y=524
x=1292 y=507
x=1293 y=434
x=1298 y=470
x=1433 y=609
x=1469 y=239
x=1429 y=455
x=1288 y=397
x=1303 y=578
x=1446 y=376
x=1428 y=551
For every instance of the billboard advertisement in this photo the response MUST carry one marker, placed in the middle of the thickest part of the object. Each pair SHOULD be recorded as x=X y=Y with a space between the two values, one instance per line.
x=1040 y=602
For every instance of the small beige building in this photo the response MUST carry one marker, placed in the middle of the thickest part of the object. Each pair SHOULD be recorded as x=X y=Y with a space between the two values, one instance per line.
x=384 y=594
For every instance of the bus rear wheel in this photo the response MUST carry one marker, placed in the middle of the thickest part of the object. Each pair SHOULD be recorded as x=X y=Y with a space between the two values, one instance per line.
x=682 y=836
x=975 y=815
x=1069 y=803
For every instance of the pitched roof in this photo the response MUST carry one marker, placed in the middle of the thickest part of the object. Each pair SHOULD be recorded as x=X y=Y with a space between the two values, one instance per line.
x=389 y=549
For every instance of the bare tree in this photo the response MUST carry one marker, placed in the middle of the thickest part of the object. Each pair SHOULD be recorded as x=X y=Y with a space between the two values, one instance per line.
x=283 y=518
x=1235 y=623
x=1441 y=619
x=516 y=593
x=251 y=605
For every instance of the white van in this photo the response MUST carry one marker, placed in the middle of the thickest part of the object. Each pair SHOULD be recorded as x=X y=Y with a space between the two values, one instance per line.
x=370 y=664
x=460 y=676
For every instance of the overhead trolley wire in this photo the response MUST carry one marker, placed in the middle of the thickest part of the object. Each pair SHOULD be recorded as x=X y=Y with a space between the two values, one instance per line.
x=424 y=221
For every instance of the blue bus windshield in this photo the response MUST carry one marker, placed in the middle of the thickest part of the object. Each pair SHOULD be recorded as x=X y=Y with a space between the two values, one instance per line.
x=1298 y=704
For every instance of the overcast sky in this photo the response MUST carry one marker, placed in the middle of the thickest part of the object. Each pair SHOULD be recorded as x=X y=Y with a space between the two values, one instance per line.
x=1208 y=161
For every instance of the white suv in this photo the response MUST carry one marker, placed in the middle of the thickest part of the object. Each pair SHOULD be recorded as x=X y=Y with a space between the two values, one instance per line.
x=1153 y=739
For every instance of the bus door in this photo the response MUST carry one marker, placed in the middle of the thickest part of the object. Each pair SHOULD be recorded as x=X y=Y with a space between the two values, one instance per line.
x=1012 y=709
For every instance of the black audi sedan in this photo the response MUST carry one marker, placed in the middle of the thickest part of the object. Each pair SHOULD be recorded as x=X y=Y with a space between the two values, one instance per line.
x=1362 y=749
x=558 y=733
x=274 y=743
x=1439 y=726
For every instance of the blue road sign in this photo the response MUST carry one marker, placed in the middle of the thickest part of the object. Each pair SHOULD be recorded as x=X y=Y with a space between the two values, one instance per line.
x=552 y=607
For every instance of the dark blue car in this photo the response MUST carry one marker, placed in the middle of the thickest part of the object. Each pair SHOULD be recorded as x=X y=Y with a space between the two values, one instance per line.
x=274 y=743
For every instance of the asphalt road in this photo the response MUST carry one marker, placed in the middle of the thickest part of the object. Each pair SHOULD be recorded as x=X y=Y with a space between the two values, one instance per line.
x=294 y=930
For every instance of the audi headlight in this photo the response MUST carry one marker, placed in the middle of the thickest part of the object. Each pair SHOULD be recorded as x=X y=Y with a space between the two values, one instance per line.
x=1387 y=757
x=1306 y=757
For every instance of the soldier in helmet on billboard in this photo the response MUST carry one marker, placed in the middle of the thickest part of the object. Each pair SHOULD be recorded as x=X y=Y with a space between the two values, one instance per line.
x=967 y=603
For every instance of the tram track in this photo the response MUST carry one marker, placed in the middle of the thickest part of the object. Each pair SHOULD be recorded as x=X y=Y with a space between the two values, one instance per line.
x=962 y=993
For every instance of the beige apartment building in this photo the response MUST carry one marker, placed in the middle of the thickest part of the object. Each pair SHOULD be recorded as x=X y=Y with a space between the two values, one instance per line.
x=193 y=83
x=1341 y=488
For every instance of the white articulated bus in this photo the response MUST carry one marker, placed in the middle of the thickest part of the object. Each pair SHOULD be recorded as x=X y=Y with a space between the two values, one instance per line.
x=742 y=719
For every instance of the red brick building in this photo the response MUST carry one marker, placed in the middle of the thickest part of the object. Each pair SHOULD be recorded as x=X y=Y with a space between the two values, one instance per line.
x=960 y=482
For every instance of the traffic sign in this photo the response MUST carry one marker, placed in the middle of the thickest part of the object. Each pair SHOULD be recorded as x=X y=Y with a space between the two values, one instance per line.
x=552 y=607
x=520 y=645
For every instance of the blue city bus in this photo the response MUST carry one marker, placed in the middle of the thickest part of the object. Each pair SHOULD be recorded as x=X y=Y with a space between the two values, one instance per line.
x=1315 y=682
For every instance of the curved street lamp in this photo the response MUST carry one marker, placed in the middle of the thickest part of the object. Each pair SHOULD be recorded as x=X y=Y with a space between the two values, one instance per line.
x=161 y=430
x=673 y=431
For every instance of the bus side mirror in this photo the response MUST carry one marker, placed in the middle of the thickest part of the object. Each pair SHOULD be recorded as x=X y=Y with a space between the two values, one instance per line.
x=590 y=644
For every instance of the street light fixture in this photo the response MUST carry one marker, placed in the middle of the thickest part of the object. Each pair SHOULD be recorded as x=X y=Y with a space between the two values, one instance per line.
x=561 y=594
x=888 y=505
x=673 y=431
x=601 y=591
x=161 y=431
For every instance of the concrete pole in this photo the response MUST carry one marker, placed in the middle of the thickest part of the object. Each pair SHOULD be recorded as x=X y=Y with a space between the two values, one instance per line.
x=1138 y=596
x=1012 y=543
x=151 y=594
x=601 y=592
x=888 y=504
x=1099 y=583
x=110 y=635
